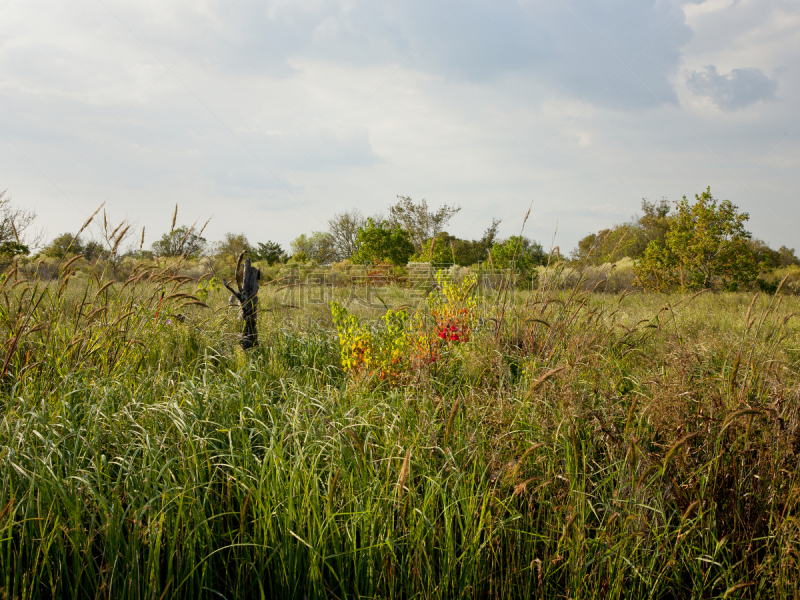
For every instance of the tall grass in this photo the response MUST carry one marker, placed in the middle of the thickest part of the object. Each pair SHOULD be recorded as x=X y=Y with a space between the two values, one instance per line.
x=581 y=446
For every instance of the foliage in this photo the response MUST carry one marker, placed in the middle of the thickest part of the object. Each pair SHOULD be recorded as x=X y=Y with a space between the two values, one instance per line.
x=453 y=308
x=270 y=252
x=628 y=239
x=706 y=245
x=606 y=246
x=652 y=224
x=355 y=340
x=182 y=241
x=207 y=287
x=379 y=351
x=11 y=249
x=319 y=247
x=380 y=243
x=766 y=258
x=443 y=251
x=419 y=221
x=67 y=242
x=450 y=249
x=14 y=222
x=233 y=244
x=400 y=346
x=343 y=228
x=524 y=254
x=542 y=445
x=787 y=257
x=582 y=446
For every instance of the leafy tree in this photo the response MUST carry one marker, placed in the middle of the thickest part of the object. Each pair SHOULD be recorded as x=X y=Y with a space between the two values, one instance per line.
x=450 y=249
x=343 y=228
x=13 y=224
x=65 y=242
x=270 y=252
x=299 y=257
x=628 y=239
x=472 y=252
x=232 y=245
x=444 y=250
x=180 y=241
x=490 y=235
x=653 y=223
x=379 y=242
x=766 y=257
x=608 y=245
x=788 y=257
x=319 y=247
x=419 y=221
x=520 y=251
x=92 y=250
x=10 y=249
x=706 y=245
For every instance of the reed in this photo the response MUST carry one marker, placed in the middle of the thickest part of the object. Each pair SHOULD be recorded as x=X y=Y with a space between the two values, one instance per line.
x=595 y=446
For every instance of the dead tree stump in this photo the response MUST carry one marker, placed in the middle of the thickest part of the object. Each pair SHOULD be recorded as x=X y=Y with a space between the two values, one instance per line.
x=248 y=300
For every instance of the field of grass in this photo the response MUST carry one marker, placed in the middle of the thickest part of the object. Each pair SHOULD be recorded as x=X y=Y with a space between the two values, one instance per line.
x=144 y=455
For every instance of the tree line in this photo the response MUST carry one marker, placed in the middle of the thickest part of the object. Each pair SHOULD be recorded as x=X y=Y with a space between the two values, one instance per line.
x=410 y=232
x=687 y=244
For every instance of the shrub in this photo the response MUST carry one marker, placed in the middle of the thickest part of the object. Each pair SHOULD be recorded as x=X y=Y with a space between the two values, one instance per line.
x=400 y=345
x=706 y=245
x=378 y=242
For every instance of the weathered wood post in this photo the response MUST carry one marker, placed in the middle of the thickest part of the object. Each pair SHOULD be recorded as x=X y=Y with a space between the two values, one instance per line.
x=248 y=299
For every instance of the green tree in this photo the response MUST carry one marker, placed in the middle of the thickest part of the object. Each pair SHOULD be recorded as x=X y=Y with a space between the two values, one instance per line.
x=92 y=250
x=379 y=243
x=419 y=221
x=706 y=245
x=520 y=251
x=60 y=245
x=628 y=239
x=652 y=224
x=232 y=245
x=608 y=245
x=180 y=241
x=13 y=223
x=270 y=252
x=319 y=247
x=11 y=248
x=66 y=242
x=477 y=251
x=788 y=257
x=444 y=250
x=450 y=249
x=767 y=258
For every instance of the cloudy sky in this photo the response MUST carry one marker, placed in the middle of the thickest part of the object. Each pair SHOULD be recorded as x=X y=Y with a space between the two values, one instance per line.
x=272 y=116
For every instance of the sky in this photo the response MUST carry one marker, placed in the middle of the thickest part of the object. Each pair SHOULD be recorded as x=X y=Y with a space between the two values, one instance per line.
x=269 y=117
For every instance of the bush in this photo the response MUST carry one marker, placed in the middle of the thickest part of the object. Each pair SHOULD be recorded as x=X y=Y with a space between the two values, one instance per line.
x=706 y=246
x=379 y=243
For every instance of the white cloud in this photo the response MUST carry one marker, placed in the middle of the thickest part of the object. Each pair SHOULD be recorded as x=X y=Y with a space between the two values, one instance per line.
x=502 y=102
x=736 y=90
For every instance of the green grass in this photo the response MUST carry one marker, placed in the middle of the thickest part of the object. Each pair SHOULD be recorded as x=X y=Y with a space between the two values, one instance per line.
x=142 y=459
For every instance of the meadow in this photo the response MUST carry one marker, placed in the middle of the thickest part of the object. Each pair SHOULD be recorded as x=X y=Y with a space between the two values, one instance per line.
x=576 y=444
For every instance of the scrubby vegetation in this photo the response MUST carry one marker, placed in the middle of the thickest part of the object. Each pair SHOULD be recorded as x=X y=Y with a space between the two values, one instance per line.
x=559 y=444
x=547 y=430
